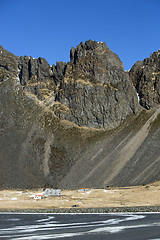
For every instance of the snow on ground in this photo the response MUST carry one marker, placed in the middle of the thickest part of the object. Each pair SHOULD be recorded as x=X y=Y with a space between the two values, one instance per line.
x=138 y=97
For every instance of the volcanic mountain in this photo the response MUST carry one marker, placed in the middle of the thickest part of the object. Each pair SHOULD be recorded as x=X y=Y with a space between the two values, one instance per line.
x=85 y=123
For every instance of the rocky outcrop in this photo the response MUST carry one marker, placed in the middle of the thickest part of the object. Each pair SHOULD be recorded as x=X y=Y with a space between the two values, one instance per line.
x=78 y=124
x=92 y=90
x=145 y=76
x=8 y=65
x=95 y=62
x=95 y=91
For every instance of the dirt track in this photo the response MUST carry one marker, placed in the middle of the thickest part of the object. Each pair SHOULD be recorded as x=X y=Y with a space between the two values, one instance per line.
x=148 y=195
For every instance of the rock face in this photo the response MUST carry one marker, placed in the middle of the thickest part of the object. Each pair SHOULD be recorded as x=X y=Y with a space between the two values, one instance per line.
x=146 y=78
x=8 y=65
x=78 y=124
x=92 y=90
x=95 y=91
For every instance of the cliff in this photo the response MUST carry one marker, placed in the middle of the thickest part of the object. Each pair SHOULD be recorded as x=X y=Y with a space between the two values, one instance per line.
x=85 y=123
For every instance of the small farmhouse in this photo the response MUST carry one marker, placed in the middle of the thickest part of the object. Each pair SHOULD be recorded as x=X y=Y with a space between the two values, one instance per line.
x=37 y=197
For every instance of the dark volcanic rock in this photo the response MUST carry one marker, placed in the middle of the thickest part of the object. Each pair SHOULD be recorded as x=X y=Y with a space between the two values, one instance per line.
x=36 y=76
x=38 y=145
x=92 y=90
x=98 y=106
x=95 y=91
x=146 y=78
x=8 y=65
x=33 y=70
x=95 y=62
x=60 y=69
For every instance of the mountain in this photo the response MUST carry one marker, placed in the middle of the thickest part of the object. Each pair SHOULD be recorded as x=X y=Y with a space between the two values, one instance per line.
x=85 y=123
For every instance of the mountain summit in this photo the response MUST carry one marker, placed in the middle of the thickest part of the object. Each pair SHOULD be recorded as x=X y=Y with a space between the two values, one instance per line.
x=82 y=123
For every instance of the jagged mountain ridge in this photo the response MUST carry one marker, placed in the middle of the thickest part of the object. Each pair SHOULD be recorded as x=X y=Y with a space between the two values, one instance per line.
x=79 y=123
x=89 y=90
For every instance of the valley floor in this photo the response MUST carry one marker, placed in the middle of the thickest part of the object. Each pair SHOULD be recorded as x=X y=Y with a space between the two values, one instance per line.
x=148 y=195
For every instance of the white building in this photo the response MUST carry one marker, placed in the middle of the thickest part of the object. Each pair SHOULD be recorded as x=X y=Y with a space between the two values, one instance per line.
x=52 y=192
x=37 y=197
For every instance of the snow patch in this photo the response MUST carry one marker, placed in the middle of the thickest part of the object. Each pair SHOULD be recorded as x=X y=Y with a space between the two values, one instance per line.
x=138 y=97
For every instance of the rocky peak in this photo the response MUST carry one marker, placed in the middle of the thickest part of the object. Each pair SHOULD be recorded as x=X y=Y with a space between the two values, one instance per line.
x=81 y=50
x=92 y=90
x=33 y=69
x=96 y=62
x=8 y=65
x=93 y=87
x=145 y=76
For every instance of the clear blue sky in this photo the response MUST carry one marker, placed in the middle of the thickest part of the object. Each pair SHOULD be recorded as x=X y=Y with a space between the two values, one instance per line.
x=48 y=28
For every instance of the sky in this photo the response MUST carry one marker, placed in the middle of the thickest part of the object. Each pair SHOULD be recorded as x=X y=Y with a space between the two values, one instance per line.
x=49 y=28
